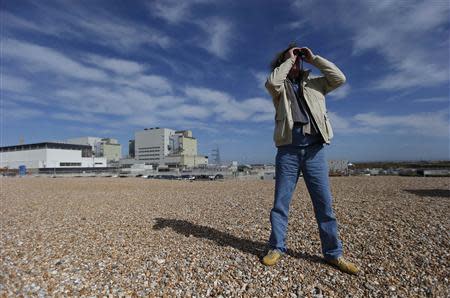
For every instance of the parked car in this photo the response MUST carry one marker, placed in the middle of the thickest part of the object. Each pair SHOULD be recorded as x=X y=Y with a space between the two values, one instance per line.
x=187 y=177
x=202 y=177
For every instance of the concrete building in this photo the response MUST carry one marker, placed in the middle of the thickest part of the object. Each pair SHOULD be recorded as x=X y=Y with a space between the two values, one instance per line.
x=131 y=149
x=338 y=167
x=108 y=148
x=91 y=141
x=165 y=147
x=49 y=155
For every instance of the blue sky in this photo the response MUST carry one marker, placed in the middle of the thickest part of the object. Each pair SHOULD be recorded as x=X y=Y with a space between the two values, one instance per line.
x=109 y=68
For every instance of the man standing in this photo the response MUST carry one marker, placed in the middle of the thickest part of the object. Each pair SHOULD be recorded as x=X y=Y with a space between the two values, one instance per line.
x=301 y=130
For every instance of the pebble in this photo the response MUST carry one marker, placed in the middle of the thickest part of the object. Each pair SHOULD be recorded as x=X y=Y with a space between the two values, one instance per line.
x=139 y=237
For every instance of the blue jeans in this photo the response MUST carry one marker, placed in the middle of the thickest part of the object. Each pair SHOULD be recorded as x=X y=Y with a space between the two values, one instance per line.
x=311 y=161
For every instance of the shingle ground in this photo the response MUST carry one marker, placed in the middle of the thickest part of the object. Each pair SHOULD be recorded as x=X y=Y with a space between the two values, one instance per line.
x=133 y=236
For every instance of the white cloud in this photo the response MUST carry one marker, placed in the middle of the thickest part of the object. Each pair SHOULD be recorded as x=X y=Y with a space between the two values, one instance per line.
x=72 y=20
x=423 y=124
x=118 y=66
x=346 y=125
x=432 y=99
x=43 y=59
x=257 y=105
x=13 y=111
x=79 y=117
x=127 y=92
x=218 y=31
x=261 y=78
x=265 y=117
x=296 y=25
x=398 y=31
x=341 y=92
x=14 y=84
x=154 y=82
x=206 y=95
x=218 y=36
x=228 y=108
x=174 y=11
x=121 y=35
x=171 y=11
x=189 y=111
x=427 y=124
x=11 y=21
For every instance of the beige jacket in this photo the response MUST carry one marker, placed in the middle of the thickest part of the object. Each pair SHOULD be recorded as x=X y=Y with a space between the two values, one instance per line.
x=314 y=90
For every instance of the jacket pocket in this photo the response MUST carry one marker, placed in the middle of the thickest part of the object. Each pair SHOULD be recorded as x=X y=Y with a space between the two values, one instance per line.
x=328 y=126
x=280 y=112
x=279 y=132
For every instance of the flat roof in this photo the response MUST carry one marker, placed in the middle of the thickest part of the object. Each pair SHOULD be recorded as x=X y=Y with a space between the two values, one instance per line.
x=45 y=145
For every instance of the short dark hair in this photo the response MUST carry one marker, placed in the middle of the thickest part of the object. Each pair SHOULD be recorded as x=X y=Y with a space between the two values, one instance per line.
x=279 y=58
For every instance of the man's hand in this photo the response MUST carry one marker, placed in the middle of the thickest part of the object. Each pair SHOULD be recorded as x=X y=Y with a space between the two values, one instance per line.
x=291 y=53
x=309 y=56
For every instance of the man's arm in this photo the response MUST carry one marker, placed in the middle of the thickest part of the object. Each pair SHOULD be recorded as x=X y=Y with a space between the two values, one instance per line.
x=333 y=76
x=275 y=81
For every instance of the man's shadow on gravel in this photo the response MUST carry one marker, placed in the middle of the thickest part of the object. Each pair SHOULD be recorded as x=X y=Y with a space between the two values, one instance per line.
x=256 y=248
x=444 y=193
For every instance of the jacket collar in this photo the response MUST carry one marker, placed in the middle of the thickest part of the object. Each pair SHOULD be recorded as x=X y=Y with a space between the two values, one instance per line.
x=303 y=76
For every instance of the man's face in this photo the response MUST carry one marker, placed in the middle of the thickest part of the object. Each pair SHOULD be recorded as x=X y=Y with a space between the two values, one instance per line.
x=295 y=70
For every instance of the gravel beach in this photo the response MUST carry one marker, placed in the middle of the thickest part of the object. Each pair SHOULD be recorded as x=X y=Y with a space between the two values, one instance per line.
x=142 y=237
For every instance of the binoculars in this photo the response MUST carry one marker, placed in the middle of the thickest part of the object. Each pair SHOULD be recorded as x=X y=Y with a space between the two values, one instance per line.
x=301 y=53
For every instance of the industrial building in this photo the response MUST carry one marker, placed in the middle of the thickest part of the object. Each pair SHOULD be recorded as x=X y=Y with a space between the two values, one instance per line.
x=163 y=147
x=338 y=167
x=49 y=155
x=108 y=148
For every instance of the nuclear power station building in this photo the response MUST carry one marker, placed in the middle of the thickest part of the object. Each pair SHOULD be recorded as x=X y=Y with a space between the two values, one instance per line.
x=164 y=147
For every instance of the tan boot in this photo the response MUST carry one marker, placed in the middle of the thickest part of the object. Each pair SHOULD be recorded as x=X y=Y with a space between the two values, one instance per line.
x=272 y=257
x=344 y=265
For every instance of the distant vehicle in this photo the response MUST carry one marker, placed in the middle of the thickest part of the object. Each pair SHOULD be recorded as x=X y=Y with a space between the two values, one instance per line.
x=202 y=177
x=187 y=177
x=219 y=176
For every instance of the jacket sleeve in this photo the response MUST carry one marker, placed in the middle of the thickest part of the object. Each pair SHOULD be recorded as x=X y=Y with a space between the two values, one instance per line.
x=275 y=81
x=333 y=76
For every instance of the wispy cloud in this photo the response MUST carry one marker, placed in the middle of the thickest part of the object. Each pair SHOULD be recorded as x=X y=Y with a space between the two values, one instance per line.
x=14 y=84
x=37 y=58
x=415 y=124
x=14 y=111
x=108 y=86
x=80 y=117
x=70 y=20
x=218 y=36
x=217 y=31
x=426 y=124
x=432 y=99
x=261 y=78
x=118 y=66
x=341 y=92
x=346 y=125
x=228 y=108
x=173 y=11
x=398 y=31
